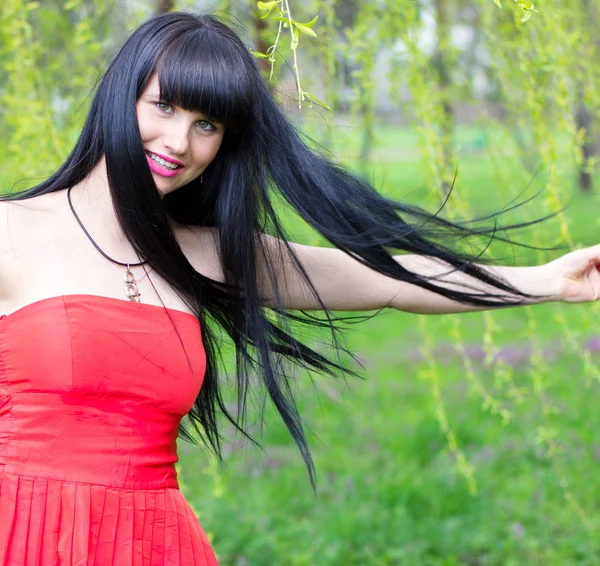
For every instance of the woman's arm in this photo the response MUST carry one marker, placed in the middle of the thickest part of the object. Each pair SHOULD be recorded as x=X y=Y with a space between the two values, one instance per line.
x=345 y=284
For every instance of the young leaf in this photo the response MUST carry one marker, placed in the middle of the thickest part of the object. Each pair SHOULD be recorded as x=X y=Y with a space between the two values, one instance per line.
x=527 y=15
x=305 y=30
x=267 y=5
x=498 y=3
x=316 y=100
x=311 y=23
x=258 y=54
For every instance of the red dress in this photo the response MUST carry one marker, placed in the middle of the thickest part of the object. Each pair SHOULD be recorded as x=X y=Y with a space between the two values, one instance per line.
x=92 y=390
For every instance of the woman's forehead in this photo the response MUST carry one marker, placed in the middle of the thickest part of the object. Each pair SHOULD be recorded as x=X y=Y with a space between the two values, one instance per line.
x=153 y=85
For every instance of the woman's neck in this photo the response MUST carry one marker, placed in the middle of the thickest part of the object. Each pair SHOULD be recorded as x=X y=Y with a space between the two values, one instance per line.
x=93 y=204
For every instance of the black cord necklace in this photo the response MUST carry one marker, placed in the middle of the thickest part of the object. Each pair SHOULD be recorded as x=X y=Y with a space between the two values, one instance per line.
x=131 y=289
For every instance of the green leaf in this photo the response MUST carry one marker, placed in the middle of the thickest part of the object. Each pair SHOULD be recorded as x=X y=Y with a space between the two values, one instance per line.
x=526 y=16
x=498 y=3
x=316 y=100
x=267 y=5
x=302 y=28
x=259 y=55
x=311 y=23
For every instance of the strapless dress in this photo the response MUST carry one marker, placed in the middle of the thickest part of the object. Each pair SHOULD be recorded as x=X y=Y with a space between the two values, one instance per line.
x=92 y=391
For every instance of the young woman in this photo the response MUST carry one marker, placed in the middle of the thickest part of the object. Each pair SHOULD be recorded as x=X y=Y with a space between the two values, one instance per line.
x=159 y=228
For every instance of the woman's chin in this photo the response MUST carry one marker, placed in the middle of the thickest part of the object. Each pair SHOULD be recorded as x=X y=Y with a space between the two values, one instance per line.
x=163 y=185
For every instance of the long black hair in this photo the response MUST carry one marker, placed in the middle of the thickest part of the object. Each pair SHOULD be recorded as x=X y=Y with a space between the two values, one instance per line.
x=203 y=66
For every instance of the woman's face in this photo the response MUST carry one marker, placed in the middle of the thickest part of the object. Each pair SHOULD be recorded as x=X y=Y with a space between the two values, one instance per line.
x=179 y=144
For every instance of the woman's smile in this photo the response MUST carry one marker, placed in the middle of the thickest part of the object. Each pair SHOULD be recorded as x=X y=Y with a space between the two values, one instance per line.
x=162 y=165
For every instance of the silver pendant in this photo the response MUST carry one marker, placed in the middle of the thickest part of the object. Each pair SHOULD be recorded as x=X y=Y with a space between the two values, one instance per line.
x=131 y=289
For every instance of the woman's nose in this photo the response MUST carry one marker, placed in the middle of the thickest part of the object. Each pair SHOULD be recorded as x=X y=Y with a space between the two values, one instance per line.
x=176 y=141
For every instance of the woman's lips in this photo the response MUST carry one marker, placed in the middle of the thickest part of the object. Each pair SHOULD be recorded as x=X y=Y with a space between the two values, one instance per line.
x=168 y=159
x=160 y=170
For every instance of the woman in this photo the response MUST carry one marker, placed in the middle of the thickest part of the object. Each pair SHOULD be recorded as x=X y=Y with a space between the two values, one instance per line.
x=167 y=200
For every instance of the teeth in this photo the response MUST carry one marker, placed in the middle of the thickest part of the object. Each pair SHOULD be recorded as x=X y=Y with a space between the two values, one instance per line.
x=162 y=162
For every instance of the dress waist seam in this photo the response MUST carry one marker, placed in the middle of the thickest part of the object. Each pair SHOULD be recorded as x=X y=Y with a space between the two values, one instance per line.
x=3 y=473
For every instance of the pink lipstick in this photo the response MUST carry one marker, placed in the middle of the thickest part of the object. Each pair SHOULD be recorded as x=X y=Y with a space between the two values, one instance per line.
x=161 y=170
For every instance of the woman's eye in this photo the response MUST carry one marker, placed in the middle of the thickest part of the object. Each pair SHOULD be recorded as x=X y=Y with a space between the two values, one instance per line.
x=164 y=106
x=206 y=126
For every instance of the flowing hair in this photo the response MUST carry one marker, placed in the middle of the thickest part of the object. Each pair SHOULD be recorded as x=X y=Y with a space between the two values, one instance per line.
x=203 y=66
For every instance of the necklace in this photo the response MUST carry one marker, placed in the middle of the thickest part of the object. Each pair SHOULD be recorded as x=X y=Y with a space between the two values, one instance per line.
x=131 y=289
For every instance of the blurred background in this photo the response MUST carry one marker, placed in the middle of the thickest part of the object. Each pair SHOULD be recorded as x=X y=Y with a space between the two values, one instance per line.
x=472 y=438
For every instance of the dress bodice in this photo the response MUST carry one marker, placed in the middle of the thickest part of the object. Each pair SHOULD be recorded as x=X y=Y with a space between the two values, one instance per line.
x=92 y=389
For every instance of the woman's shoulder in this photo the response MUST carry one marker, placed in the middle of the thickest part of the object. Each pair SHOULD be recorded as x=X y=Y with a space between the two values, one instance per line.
x=200 y=244
x=27 y=217
x=25 y=223
x=35 y=205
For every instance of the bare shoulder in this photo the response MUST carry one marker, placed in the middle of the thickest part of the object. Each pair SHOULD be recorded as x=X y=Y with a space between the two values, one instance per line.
x=14 y=215
x=6 y=245
x=22 y=227
x=200 y=244
x=23 y=221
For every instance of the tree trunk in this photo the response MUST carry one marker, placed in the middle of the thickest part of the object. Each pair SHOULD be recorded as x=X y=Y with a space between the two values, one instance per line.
x=442 y=69
x=260 y=25
x=163 y=6
x=584 y=121
x=588 y=147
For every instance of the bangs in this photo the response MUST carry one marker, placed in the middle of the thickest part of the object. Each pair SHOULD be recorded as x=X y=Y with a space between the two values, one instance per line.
x=201 y=71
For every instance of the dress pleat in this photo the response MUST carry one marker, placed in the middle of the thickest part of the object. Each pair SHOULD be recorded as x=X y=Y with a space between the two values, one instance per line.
x=139 y=518
x=81 y=534
x=108 y=528
x=171 y=544
x=158 y=529
x=50 y=547
x=98 y=500
x=125 y=536
x=37 y=520
x=148 y=527
x=66 y=527
x=8 y=501
x=22 y=519
x=185 y=542
x=88 y=431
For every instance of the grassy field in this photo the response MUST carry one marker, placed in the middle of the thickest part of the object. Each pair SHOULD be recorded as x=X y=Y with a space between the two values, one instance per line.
x=391 y=488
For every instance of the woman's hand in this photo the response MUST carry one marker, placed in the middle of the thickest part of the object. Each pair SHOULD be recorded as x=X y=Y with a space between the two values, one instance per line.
x=574 y=277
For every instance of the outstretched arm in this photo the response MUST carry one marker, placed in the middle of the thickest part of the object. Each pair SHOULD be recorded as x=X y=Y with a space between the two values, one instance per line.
x=345 y=284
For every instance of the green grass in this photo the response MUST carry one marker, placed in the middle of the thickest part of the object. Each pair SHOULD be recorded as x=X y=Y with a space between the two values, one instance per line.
x=389 y=492
x=389 y=489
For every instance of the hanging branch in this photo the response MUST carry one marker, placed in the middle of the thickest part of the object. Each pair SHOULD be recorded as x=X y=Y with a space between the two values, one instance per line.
x=527 y=7
x=279 y=11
